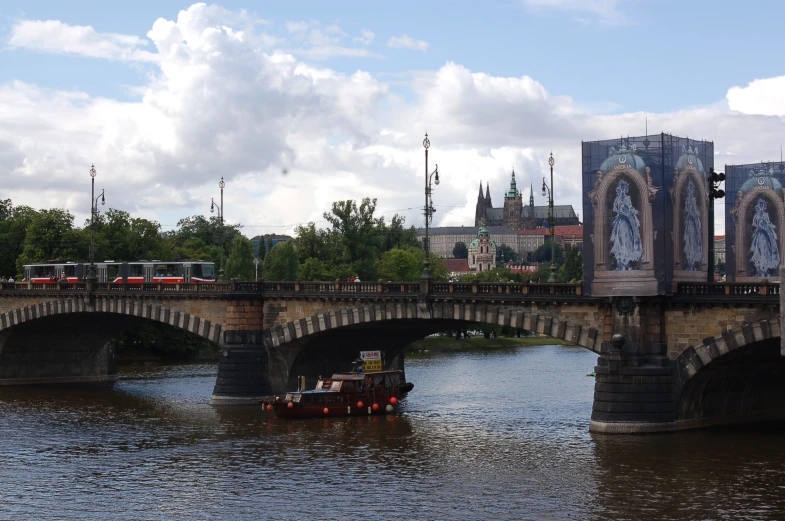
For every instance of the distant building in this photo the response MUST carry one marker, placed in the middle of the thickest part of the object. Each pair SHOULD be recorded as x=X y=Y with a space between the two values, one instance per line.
x=515 y=216
x=262 y=242
x=482 y=251
x=719 y=249
x=443 y=239
x=456 y=266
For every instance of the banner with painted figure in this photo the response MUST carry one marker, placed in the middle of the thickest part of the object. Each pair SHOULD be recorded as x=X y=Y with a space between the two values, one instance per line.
x=690 y=243
x=645 y=213
x=754 y=220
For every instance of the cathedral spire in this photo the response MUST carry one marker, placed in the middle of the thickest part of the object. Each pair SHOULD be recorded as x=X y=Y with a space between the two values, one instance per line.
x=513 y=191
x=480 y=189
x=531 y=196
x=488 y=195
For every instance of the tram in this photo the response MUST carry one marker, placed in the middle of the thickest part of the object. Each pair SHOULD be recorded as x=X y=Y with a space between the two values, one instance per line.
x=166 y=272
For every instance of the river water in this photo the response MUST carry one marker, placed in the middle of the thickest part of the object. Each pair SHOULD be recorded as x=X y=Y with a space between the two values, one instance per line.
x=497 y=434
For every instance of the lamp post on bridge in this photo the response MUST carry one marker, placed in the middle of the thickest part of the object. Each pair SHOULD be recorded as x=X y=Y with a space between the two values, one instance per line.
x=213 y=207
x=552 y=277
x=714 y=179
x=91 y=274
x=428 y=211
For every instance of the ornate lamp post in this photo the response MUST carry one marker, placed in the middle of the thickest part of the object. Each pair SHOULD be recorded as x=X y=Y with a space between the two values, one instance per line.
x=714 y=179
x=220 y=208
x=426 y=271
x=552 y=277
x=91 y=274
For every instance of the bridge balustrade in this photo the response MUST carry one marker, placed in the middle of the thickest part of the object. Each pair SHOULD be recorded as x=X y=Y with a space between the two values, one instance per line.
x=735 y=289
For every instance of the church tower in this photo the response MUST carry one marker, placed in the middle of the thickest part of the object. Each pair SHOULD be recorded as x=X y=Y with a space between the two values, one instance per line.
x=513 y=204
x=479 y=211
x=488 y=203
x=531 y=198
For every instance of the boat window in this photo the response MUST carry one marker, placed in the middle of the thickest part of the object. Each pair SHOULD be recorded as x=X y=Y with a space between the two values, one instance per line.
x=348 y=386
x=378 y=380
x=336 y=385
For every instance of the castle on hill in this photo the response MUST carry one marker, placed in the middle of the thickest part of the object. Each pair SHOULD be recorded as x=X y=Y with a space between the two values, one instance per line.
x=515 y=216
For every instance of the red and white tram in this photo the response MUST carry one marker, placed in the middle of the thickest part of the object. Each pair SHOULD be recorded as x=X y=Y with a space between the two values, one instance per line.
x=166 y=272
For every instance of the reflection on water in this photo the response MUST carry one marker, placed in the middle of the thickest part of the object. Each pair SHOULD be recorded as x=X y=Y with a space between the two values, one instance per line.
x=484 y=435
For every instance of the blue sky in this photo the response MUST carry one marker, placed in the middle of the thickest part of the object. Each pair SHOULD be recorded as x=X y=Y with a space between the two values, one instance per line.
x=676 y=54
x=497 y=84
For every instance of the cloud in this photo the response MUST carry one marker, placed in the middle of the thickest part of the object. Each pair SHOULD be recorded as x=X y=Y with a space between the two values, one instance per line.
x=218 y=104
x=759 y=97
x=324 y=43
x=605 y=11
x=407 y=42
x=366 y=37
x=53 y=36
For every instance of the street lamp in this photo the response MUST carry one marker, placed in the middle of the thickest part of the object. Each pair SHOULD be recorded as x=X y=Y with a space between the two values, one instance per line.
x=429 y=209
x=552 y=277
x=91 y=274
x=714 y=179
x=213 y=207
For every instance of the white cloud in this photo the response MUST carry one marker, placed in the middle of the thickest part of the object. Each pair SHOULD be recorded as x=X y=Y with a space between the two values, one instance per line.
x=765 y=96
x=366 y=37
x=407 y=42
x=605 y=11
x=53 y=36
x=219 y=105
x=324 y=43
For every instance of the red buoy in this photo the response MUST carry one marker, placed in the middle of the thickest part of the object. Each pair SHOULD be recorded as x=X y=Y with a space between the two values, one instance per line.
x=360 y=404
x=269 y=407
x=290 y=405
x=393 y=400
x=375 y=407
x=326 y=410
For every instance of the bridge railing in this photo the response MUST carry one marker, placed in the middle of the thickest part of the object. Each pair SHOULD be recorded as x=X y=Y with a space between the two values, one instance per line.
x=507 y=288
x=733 y=289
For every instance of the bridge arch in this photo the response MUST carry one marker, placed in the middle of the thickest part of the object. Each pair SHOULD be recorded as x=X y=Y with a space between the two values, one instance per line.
x=63 y=341
x=128 y=307
x=327 y=342
x=737 y=376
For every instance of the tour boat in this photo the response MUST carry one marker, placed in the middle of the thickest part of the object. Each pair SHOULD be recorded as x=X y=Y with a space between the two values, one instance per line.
x=344 y=394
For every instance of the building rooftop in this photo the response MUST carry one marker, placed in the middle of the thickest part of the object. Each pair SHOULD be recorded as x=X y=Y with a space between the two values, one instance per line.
x=457 y=265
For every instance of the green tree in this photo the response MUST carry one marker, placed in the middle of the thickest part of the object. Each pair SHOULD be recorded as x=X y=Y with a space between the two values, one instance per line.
x=315 y=270
x=361 y=234
x=281 y=262
x=51 y=235
x=400 y=265
x=240 y=264
x=460 y=251
x=509 y=254
x=494 y=275
x=543 y=253
x=572 y=270
x=6 y=209
x=13 y=230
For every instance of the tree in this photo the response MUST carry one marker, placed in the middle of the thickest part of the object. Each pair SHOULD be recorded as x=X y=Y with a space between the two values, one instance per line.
x=460 y=251
x=509 y=254
x=572 y=270
x=6 y=209
x=240 y=264
x=51 y=235
x=494 y=275
x=281 y=262
x=543 y=253
x=13 y=230
x=314 y=269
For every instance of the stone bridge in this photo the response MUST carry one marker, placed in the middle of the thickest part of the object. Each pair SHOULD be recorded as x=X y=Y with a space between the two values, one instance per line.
x=707 y=355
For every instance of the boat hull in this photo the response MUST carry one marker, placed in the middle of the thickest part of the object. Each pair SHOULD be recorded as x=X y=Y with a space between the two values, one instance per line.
x=282 y=410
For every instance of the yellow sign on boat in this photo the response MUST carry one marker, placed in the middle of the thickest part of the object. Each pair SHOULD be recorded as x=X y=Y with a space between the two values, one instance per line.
x=372 y=365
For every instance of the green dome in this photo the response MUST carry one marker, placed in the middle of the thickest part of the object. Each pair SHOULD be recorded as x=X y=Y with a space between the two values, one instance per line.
x=475 y=243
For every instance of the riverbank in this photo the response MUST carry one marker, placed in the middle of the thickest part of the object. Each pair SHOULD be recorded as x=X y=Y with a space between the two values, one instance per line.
x=451 y=344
